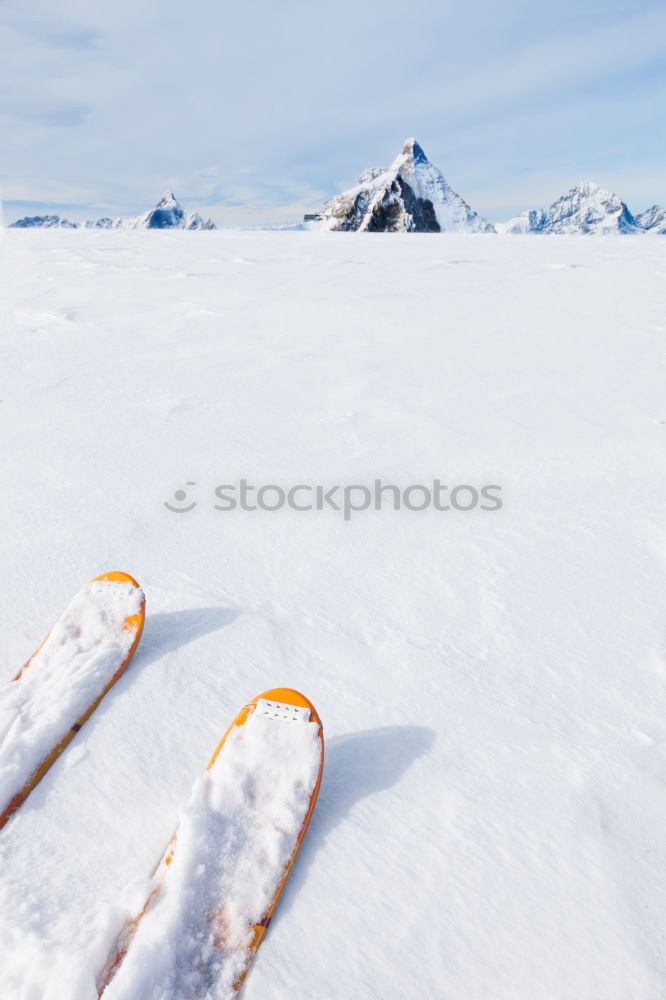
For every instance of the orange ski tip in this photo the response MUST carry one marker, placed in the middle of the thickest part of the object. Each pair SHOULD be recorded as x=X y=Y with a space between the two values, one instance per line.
x=117 y=576
x=133 y=623
x=287 y=696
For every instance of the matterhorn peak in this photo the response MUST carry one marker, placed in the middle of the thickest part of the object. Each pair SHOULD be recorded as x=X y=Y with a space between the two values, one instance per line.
x=412 y=149
x=411 y=196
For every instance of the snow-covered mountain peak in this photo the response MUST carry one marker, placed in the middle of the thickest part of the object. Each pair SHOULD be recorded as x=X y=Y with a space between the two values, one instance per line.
x=168 y=200
x=589 y=208
x=167 y=214
x=413 y=150
x=586 y=189
x=428 y=183
x=43 y=222
x=412 y=195
x=585 y=208
x=653 y=220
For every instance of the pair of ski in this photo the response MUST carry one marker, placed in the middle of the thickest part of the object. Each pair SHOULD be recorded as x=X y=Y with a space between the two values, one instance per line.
x=239 y=833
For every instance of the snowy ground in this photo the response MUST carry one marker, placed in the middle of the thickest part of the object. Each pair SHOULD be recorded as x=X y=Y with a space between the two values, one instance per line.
x=491 y=821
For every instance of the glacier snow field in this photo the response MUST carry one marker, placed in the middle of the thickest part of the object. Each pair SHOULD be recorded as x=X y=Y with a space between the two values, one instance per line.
x=492 y=683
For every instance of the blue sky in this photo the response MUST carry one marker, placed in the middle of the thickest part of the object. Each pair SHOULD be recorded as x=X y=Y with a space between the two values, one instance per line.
x=257 y=113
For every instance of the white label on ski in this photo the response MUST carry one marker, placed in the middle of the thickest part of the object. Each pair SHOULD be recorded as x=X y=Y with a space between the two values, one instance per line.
x=282 y=712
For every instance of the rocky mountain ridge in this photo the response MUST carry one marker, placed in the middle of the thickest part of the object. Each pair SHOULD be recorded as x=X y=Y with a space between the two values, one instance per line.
x=411 y=195
x=586 y=208
x=167 y=214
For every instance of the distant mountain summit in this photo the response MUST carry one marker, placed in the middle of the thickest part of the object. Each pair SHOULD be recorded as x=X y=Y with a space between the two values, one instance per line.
x=167 y=214
x=410 y=196
x=653 y=220
x=586 y=208
x=43 y=222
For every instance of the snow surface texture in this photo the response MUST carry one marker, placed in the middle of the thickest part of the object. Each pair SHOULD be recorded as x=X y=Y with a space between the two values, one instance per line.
x=586 y=208
x=167 y=214
x=491 y=819
x=82 y=653
x=411 y=196
x=236 y=836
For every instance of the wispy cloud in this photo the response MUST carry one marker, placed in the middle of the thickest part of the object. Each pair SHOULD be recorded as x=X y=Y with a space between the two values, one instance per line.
x=57 y=33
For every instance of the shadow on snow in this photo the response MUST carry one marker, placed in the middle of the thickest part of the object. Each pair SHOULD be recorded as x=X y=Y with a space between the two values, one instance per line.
x=355 y=766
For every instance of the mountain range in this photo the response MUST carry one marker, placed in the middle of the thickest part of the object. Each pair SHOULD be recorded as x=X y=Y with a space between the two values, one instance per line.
x=586 y=208
x=167 y=214
x=410 y=196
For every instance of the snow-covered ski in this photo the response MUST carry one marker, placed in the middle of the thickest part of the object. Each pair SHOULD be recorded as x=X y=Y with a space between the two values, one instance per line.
x=60 y=686
x=229 y=860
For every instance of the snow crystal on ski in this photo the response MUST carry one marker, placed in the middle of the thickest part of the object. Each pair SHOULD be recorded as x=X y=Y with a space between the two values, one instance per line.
x=236 y=836
x=78 y=659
